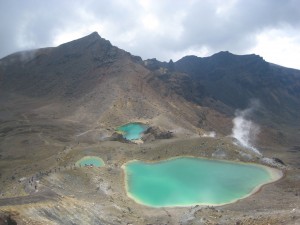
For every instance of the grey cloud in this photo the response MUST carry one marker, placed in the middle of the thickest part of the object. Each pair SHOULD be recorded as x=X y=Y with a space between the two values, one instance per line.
x=183 y=24
x=34 y=24
x=236 y=28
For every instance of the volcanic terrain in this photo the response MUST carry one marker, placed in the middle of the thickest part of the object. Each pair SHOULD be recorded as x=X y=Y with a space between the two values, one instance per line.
x=60 y=104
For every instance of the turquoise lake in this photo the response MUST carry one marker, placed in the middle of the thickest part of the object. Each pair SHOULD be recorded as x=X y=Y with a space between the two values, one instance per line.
x=190 y=181
x=90 y=161
x=132 y=131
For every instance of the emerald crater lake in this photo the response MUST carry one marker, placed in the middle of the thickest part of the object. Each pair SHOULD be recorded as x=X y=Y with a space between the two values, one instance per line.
x=90 y=161
x=188 y=181
x=132 y=131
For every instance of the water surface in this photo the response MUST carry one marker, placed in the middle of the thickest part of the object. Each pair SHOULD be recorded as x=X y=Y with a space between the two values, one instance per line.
x=190 y=181
x=90 y=161
x=132 y=131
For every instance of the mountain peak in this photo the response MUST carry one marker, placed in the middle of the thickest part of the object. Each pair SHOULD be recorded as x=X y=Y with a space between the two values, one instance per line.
x=223 y=53
x=95 y=33
x=87 y=41
x=227 y=54
x=92 y=36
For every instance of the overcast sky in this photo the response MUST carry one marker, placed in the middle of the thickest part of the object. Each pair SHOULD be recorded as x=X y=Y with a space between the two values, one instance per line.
x=162 y=29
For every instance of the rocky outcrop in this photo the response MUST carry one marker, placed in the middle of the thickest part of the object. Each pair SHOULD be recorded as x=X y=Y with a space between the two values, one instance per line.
x=6 y=219
x=277 y=160
x=153 y=133
x=117 y=137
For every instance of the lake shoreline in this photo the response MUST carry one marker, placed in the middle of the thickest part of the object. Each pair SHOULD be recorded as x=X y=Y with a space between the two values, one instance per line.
x=275 y=175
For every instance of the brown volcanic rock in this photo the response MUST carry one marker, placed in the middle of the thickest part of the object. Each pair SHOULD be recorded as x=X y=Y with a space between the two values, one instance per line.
x=91 y=82
x=67 y=70
x=153 y=133
x=117 y=137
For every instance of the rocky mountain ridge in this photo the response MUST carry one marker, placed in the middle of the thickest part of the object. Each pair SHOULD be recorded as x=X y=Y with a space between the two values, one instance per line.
x=89 y=72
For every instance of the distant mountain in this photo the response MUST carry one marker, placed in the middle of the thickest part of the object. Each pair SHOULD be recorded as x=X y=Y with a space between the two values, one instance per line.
x=93 y=82
x=234 y=80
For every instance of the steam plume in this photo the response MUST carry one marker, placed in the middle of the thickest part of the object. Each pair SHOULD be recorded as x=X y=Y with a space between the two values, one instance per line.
x=211 y=134
x=244 y=130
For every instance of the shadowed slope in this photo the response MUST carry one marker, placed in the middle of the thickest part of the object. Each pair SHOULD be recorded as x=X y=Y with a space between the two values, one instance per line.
x=234 y=80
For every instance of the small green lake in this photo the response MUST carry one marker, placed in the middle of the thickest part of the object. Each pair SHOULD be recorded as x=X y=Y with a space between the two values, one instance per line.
x=90 y=161
x=188 y=181
x=132 y=131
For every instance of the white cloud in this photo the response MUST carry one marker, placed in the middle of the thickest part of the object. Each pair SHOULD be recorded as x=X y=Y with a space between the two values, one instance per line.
x=151 y=23
x=279 y=47
x=202 y=51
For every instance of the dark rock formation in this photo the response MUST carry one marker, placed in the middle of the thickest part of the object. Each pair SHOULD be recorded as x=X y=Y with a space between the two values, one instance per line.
x=277 y=160
x=6 y=219
x=153 y=133
x=117 y=137
x=235 y=79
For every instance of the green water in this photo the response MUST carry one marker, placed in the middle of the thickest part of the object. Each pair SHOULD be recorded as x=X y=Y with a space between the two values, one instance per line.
x=132 y=131
x=90 y=160
x=191 y=181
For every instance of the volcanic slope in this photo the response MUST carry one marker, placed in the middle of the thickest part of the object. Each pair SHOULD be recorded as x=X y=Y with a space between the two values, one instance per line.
x=87 y=81
x=78 y=93
x=62 y=103
x=226 y=83
x=234 y=79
